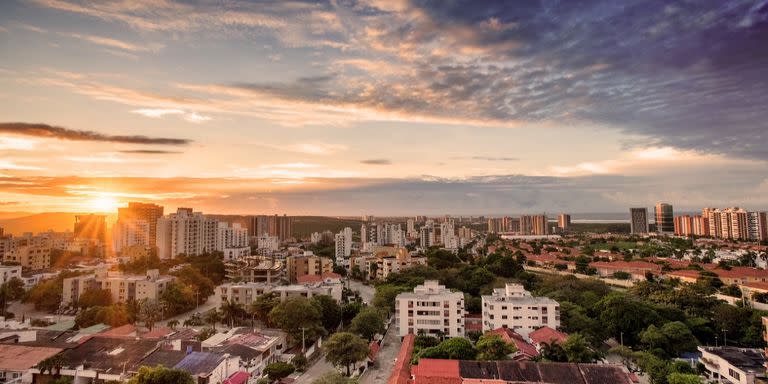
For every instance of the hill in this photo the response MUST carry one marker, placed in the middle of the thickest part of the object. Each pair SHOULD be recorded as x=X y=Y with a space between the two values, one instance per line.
x=39 y=222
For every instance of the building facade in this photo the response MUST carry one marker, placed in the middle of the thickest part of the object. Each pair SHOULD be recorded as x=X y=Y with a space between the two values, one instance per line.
x=638 y=220
x=515 y=308
x=185 y=232
x=431 y=308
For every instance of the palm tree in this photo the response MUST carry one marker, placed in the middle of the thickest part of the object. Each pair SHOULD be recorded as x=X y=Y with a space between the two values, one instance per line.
x=230 y=311
x=173 y=324
x=212 y=317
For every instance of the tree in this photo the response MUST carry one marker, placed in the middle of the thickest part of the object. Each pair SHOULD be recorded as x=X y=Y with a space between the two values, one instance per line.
x=212 y=317
x=295 y=314
x=333 y=377
x=345 y=349
x=93 y=297
x=173 y=324
x=492 y=347
x=620 y=313
x=368 y=323
x=263 y=304
x=178 y=298
x=46 y=295
x=278 y=370
x=161 y=375
x=199 y=282
x=683 y=378
x=151 y=312
x=51 y=364
x=656 y=368
x=300 y=362
x=114 y=316
x=553 y=352
x=330 y=311
x=457 y=348
x=231 y=311
x=385 y=295
x=578 y=350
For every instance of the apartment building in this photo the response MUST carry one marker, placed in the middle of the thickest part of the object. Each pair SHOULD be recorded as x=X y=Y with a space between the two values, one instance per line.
x=8 y=272
x=122 y=287
x=638 y=220
x=515 y=308
x=564 y=221
x=130 y=232
x=185 y=232
x=92 y=227
x=736 y=223
x=307 y=264
x=387 y=260
x=147 y=212
x=534 y=225
x=31 y=252
x=343 y=244
x=427 y=236
x=431 y=308
x=247 y=293
x=255 y=269
x=232 y=241
x=664 y=215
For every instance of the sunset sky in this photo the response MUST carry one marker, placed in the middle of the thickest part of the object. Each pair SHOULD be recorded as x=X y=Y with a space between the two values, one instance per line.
x=383 y=106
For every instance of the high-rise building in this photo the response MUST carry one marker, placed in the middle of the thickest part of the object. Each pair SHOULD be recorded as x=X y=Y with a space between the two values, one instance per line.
x=534 y=225
x=758 y=226
x=700 y=225
x=343 y=241
x=258 y=225
x=130 y=232
x=665 y=218
x=564 y=221
x=92 y=227
x=684 y=225
x=427 y=236
x=187 y=232
x=638 y=220
x=142 y=211
x=232 y=241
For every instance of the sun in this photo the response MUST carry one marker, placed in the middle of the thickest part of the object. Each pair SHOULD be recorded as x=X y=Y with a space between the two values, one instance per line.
x=104 y=204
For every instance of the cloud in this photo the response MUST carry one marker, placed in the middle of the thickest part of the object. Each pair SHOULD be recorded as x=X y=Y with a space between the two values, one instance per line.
x=115 y=43
x=150 y=152
x=49 y=131
x=310 y=148
x=156 y=113
x=376 y=161
x=489 y=158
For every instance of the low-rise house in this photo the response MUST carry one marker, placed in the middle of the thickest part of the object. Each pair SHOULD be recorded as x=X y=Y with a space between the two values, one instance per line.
x=122 y=287
x=17 y=361
x=546 y=335
x=523 y=349
x=255 y=349
x=636 y=269
x=8 y=272
x=733 y=365
x=247 y=293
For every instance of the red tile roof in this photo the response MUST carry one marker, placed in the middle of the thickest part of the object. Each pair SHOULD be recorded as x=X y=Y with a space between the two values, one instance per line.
x=22 y=357
x=436 y=368
x=401 y=373
x=546 y=335
x=627 y=265
x=513 y=337
x=237 y=378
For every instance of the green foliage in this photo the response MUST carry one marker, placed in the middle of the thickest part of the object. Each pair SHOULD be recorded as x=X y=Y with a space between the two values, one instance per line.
x=330 y=311
x=344 y=349
x=113 y=315
x=553 y=352
x=732 y=290
x=199 y=282
x=492 y=347
x=621 y=313
x=296 y=313
x=578 y=350
x=210 y=266
x=350 y=310
x=300 y=362
x=161 y=375
x=46 y=295
x=385 y=295
x=178 y=298
x=621 y=275
x=264 y=304
x=231 y=312
x=456 y=348
x=368 y=323
x=278 y=370
x=683 y=378
x=150 y=312
x=94 y=297
x=141 y=265
x=670 y=340
x=441 y=259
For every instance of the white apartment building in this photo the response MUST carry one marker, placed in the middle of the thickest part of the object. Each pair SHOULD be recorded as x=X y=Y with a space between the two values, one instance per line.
x=187 y=232
x=232 y=241
x=427 y=236
x=270 y=243
x=130 y=232
x=514 y=307
x=122 y=287
x=733 y=365
x=247 y=293
x=431 y=308
x=343 y=241
x=8 y=272
x=410 y=228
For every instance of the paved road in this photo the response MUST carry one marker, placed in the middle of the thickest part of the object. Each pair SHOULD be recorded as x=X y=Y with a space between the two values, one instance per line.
x=212 y=302
x=366 y=291
x=380 y=371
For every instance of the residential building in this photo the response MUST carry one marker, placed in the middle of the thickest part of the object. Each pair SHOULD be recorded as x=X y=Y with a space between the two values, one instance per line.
x=638 y=220
x=185 y=232
x=733 y=365
x=684 y=225
x=18 y=361
x=255 y=348
x=514 y=307
x=386 y=260
x=280 y=226
x=31 y=252
x=410 y=229
x=431 y=308
x=758 y=226
x=664 y=215
x=93 y=227
x=8 y=272
x=255 y=269
x=147 y=212
x=427 y=236
x=534 y=225
x=564 y=221
x=465 y=233
x=269 y=243
x=122 y=287
x=512 y=371
x=343 y=244
x=247 y=293
x=700 y=225
x=129 y=233
x=232 y=241
x=307 y=264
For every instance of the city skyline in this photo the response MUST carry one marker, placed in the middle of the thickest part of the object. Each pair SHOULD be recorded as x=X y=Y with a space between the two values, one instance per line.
x=382 y=107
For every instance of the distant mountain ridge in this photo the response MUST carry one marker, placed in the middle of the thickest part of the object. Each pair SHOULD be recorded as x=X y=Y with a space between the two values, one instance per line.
x=38 y=222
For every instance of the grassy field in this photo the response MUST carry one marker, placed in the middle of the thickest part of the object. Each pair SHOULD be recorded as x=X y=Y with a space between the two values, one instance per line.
x=600 y=227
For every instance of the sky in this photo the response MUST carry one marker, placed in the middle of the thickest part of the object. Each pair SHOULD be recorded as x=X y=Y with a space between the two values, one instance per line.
x=383 y=106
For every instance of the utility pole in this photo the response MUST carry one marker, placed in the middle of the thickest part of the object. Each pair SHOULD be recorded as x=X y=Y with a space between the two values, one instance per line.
x=303 y=341
x=622 y=339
